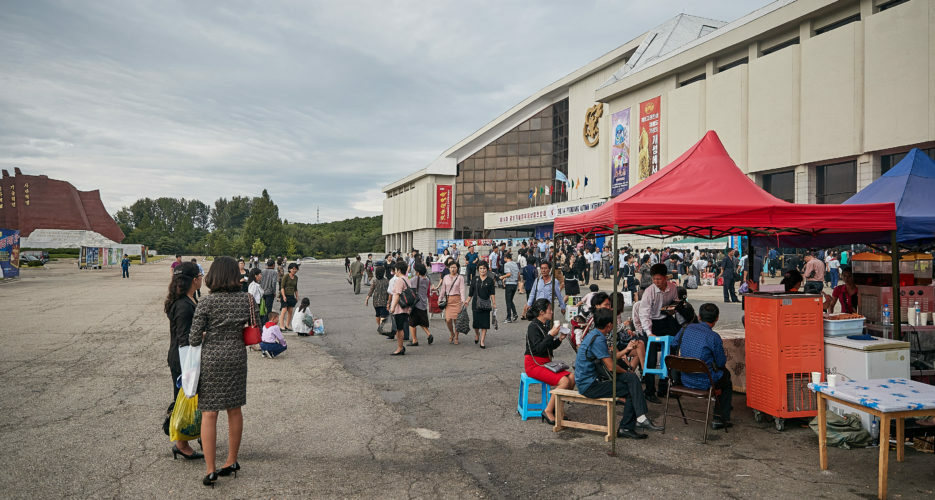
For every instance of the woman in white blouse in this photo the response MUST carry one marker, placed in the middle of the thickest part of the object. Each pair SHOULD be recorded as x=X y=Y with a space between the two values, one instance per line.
x=302 y=321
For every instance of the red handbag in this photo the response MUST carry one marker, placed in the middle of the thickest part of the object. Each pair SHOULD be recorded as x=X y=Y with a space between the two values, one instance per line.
x=251 y=332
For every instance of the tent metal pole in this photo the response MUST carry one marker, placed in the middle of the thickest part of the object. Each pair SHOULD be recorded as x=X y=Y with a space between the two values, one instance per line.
x=897 y=298
x=613 y=357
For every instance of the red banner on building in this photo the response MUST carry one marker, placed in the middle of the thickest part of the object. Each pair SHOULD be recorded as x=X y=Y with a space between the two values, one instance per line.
x=443 y=201
x=649 y=137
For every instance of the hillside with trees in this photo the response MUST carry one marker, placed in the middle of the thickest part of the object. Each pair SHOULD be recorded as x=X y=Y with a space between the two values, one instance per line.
x=242 y=226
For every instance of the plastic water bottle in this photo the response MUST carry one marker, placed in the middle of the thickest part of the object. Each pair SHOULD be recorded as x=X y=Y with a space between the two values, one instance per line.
x=887 y=320
x=875 y=430
x=917 y=314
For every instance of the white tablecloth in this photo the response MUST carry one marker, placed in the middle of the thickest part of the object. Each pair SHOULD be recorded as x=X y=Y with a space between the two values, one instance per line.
x=886 y=395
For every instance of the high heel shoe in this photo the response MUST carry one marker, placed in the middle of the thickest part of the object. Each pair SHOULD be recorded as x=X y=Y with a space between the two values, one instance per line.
x=400 y=353
x=226 y=471
x=210 y=479
x=194 y=456
x=546 y=420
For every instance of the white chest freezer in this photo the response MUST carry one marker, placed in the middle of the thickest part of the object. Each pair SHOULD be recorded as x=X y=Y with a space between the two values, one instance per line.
x=864 y=360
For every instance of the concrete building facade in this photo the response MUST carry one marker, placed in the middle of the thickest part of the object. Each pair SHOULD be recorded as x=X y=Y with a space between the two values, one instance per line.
x=813 y=99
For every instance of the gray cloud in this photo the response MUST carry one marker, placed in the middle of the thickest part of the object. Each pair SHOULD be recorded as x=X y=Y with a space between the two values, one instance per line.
x=322 y=103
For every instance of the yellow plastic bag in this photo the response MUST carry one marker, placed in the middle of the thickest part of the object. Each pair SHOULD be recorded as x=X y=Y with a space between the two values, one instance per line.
x=185 y=423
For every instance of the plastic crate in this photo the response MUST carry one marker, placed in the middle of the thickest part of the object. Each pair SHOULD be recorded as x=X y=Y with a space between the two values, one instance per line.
x=841 y=327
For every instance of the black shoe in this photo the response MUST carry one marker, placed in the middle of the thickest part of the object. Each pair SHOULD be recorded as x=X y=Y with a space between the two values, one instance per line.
x=226 y=471
x=413 y=344
x=483 y=346
x=431 y=340
x=648 y=425
x=210 y=479
x=546 y=420
x=194 y=456
x=628 y=434
x=400 y=353
x=651 y=398
x=718 y=425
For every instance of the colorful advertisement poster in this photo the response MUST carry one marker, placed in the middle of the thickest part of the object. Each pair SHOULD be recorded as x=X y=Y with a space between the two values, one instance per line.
x=620 y=153
x=649 y=137
x=9 y=252
x=443 y=201
x=543 y=232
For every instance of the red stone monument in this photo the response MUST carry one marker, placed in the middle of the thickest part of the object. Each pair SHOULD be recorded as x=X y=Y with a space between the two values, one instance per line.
x=30 y=202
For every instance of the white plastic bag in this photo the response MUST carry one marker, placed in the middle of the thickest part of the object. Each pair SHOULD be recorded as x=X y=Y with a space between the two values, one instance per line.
x=319 y=326
x=627 y=299
x=190 y=356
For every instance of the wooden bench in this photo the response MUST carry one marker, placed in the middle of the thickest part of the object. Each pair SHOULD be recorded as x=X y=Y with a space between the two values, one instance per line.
x=563 y=395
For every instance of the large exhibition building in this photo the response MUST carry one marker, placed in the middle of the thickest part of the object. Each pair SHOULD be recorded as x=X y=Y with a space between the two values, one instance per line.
x=813 y=100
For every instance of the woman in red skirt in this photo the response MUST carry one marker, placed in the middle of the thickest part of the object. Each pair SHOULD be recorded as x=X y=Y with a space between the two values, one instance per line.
x=541 y=339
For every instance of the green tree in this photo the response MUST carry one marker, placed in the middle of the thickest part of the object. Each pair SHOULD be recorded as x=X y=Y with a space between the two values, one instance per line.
x=292 y=247
x=264 y=224
x=258 y=247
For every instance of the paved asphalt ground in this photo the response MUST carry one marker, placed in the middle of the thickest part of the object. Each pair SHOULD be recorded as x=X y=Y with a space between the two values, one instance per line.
x=84 y=385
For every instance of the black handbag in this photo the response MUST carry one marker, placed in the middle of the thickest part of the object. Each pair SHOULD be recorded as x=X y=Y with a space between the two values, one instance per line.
x=554 y=365
x=483 y=305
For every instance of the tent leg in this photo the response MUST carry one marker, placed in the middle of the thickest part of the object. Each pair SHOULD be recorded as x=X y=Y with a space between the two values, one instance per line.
x=897 y=298
x=613 y=357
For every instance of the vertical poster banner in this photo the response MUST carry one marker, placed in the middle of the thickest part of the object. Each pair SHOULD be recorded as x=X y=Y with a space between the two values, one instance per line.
x=620 y=153
x=9 y=253
x=649 y=137
x=443 y=206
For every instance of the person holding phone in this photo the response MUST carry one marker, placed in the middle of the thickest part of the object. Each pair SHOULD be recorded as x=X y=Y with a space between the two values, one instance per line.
x=542 y=338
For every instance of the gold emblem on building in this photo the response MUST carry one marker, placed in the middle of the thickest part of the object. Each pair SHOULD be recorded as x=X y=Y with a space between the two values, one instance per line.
x=591 y=132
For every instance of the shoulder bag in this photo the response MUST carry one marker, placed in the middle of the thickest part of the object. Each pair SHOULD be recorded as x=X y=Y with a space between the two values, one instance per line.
x=251 y=332
x=553 y=365
x=408 y=297
x=443 y=299
x=601 y=370
x=483 y=305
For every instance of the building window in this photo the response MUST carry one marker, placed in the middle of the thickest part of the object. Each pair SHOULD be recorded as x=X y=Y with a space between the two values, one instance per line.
x=692 y=80
x=730 y=65
x=781 y=185
x=837 y=24
x=780 y=46
x=891 y=4
x=887 y=162
x=836 y=182
x=502 y=173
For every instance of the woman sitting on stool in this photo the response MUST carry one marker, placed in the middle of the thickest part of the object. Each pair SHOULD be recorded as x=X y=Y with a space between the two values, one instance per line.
x=541 y=339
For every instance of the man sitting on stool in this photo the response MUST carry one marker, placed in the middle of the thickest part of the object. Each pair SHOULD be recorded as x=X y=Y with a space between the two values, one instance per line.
x=593 y=357
x=657 y=323
x=699 y=340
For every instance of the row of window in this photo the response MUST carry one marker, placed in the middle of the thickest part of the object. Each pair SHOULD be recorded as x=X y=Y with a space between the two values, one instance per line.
x=834 y=183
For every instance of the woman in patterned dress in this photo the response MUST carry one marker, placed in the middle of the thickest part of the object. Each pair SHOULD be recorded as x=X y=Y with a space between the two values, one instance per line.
x=218 y=327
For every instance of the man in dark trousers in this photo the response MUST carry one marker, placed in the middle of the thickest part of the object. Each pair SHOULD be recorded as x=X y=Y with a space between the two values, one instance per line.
x=357 y=273
x=699 y=340
x=729 y=273
x=269 y=281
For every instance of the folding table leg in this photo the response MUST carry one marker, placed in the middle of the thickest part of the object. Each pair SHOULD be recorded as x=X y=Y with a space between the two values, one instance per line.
x=884 y=455
x=900 y=439
x=822 y=433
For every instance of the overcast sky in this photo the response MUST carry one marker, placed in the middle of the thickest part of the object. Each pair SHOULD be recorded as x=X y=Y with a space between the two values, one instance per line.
x=322 y=103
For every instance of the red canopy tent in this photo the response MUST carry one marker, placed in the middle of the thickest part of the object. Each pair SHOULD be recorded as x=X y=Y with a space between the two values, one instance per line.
x=704 y=194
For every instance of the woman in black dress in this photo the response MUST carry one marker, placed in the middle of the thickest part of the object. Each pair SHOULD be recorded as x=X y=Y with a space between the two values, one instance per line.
x=180 y=309
x=483 y=300
x=218 y=327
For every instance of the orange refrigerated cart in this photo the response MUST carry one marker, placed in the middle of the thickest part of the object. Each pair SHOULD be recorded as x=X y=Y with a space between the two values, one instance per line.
x=784 y=343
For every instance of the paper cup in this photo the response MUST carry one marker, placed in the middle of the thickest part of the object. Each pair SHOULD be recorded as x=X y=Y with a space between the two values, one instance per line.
x=925 y=319
x=833 y=379
x=816 y=377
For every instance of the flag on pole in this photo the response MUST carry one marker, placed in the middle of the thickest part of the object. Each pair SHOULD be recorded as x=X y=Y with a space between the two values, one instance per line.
x=585 y=181
x=559 y=176
x=530 y=193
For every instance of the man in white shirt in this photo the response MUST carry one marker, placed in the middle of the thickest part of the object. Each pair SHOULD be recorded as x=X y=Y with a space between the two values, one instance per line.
x=657 y=323
x=596 y=264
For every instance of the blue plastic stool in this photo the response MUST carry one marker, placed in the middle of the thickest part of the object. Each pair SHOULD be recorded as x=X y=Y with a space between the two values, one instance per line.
x=661 y=369
x=523 y=406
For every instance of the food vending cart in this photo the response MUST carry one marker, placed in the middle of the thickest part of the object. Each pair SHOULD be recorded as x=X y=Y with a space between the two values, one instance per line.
x=784 y=344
